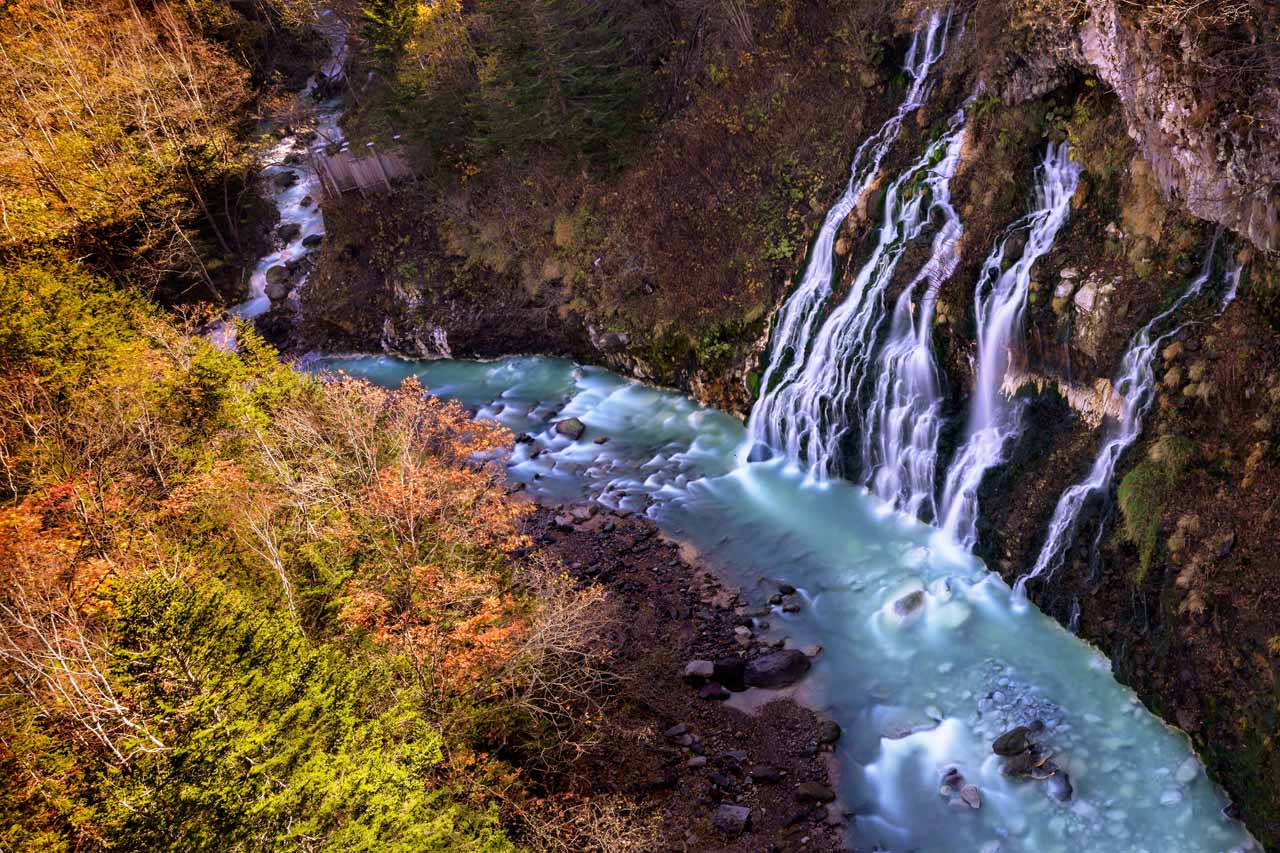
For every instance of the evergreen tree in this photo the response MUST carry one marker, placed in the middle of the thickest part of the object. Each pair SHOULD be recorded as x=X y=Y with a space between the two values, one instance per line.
x=557 y=74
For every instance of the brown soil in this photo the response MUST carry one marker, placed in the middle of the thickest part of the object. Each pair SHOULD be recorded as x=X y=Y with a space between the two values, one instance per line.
x=671 y=612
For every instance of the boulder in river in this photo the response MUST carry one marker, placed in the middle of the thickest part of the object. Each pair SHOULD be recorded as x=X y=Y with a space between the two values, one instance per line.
x=286 y=179
x=278 y=290
x=909 y=603
x=312 y=240
x=278 y=274
x=571 y=428
x=1017 y=740
x=777 y=669
x=289 y=232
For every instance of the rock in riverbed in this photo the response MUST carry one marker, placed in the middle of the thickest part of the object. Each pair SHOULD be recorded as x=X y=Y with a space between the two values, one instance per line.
x=777 y=669
x=571 y=428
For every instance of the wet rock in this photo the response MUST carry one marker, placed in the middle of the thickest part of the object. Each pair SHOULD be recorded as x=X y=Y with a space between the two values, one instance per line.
x=600 y=439
x=766 y=775
x=909 y=603
x=814 y=792
x=812 y=650
x=307 y=201
x=278 y=290
x=676 y=731
x=583 y=513
x=1017 y=740
x=289 y=232
x=971 y=797
x=791 y=605
x=571 y=428
x=828 y=731
x=696 y=761
x=278 y=274
x=563 y=522
x=777 y=669
x=713 y=692
x=786 y=589
x=285 y=179
x=312 y=240
x=731 y=672
x=1059 y=786
x=731 y=819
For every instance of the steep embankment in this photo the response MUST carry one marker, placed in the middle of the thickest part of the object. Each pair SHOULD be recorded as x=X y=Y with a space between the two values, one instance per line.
x=670 y=266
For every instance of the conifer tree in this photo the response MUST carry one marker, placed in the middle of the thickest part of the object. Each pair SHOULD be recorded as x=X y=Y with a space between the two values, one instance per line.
x=557 y=74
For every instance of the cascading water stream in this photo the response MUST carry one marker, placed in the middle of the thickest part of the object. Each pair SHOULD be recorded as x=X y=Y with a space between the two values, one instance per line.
x=807 y=414
x=294 y=187
x=901 y=424
x=794 y=323
x=1000 y=299
x=1135 y=386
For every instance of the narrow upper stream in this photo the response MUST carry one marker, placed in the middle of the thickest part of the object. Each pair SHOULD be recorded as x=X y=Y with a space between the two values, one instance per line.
x=925 y=661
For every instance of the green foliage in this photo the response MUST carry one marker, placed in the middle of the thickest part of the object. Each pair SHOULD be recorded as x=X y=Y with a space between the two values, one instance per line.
x=1143 y=492
x=557 y=74
x=273 y=740
x=61 y=322
x=387 y=25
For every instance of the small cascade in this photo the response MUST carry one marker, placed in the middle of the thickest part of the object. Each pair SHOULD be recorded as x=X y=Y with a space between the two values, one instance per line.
x=294 y=188
x=807 y=414
x=1000 y=299
x=901 y=424
x=1135 y=386
x=794 y=323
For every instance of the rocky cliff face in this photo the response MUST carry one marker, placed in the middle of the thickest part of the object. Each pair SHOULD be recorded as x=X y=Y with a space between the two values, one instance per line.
x=1207 y=131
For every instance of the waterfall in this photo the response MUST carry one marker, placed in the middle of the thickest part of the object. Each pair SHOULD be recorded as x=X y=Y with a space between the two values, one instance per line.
x=794 y=323
x=806 y=415
x=999 y=301
x=901 y=424
x=1135 y=385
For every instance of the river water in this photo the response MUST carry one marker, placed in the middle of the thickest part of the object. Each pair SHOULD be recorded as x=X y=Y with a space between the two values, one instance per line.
x=918 y=688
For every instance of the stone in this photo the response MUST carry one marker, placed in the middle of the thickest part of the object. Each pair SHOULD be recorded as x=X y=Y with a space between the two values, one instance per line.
x=842 y=247
x=972 y=798
x=731 y=819
x=583 y=513
x=286 y=179
x=1069 y=274
x=731 y=672
x=600 y=439
x=1064 y=290
x=776 y=669
x=572 y=428
x=699 y=671
x=278 y=274
x=696 y=761
x=828 y=731
x=1187 y=771
x=811 y=651
x=814 y=792
x=676 y=731
x=307 y=201
x=1017 y=740
x=786 y=589
x=713 y=692
x=289 y=232
x=766 y=775
x=1086 y=296
x=277 y=290
x=312 y=240
x=909 y=603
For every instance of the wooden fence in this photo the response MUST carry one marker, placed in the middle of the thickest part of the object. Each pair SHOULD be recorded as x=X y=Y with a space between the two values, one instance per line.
x=346 y=171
